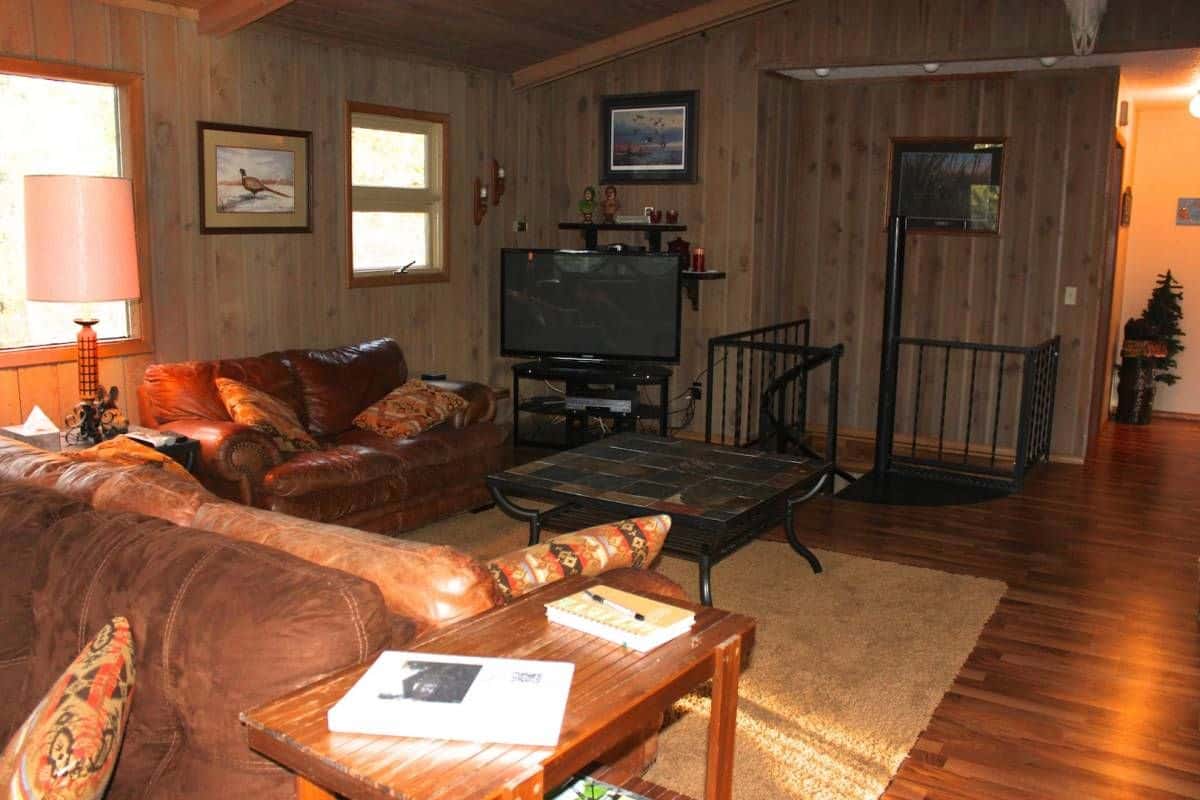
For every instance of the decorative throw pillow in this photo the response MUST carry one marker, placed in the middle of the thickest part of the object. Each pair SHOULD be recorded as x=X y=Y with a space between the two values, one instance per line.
x=628 y=543
x=68 y=746
x=409 y=409
x=267 y=413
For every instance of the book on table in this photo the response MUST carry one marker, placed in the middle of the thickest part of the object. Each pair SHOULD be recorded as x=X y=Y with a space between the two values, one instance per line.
x=627 y=619
x=466 y=698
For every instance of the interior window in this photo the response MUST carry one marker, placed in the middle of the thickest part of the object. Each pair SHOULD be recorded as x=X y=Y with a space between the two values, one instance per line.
x=397 y=173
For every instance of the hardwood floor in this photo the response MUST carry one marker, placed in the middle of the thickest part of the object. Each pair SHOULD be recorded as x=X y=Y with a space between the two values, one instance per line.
x=1086 y=681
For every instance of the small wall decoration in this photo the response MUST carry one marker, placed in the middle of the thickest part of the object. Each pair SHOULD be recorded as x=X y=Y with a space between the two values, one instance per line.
x=648 y=138
x=1126 y=206
x=254 y=180
x=1188 y=212
x=947 y=185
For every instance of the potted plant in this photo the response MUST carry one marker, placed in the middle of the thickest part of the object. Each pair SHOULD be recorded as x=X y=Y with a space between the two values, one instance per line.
x=1148 y=354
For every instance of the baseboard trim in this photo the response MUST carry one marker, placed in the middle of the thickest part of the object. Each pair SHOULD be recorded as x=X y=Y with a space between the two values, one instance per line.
x=1183 y=416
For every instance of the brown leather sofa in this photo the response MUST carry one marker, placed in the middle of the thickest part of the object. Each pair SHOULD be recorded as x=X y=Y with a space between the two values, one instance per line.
x=358 y=478
x=235 y=609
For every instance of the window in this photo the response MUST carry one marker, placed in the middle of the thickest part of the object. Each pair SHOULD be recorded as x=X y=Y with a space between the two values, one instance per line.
x=72 y=121
x=397 y=171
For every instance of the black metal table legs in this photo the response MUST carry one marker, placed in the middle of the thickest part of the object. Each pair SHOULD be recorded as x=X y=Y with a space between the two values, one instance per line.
x=531 y=515
x=789 y=527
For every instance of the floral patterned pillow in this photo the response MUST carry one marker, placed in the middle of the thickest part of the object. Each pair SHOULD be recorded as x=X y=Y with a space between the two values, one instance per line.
x=409 y=409
x=628 y=543
x=267 y=413
x=68 y=746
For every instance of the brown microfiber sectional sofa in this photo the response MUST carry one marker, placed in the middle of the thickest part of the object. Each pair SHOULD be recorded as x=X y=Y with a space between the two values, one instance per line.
x=230 y=606
x=358 y=478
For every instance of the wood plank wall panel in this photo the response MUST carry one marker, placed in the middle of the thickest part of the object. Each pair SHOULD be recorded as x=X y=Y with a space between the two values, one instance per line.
x=829 y=258
x=234 y=295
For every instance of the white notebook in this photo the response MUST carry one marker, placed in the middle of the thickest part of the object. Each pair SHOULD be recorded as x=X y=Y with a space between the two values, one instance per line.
x=464 y=698
x=612 y=617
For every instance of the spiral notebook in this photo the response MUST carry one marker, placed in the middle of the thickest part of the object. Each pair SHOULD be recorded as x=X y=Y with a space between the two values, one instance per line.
x=614 y=617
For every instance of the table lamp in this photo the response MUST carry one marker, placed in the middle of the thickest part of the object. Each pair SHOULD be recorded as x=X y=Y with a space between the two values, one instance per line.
x=80 y=247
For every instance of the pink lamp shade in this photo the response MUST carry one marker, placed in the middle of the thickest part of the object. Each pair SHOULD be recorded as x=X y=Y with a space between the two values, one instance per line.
x=80 y=245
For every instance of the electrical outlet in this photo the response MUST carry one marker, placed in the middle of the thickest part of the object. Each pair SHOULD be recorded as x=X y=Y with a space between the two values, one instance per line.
x=695 y=392
x=519 y=225
x=1069 y=296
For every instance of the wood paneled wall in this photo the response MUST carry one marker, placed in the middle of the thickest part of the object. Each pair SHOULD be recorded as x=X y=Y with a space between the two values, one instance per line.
x=1002 y=289
x=235 y=295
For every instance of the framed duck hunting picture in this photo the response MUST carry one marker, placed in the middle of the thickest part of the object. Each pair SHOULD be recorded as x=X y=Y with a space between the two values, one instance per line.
x=648 y=138
x=254 y=180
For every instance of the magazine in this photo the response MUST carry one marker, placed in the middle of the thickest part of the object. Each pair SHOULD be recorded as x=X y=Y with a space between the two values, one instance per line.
x=583 y=787
x=464 y=698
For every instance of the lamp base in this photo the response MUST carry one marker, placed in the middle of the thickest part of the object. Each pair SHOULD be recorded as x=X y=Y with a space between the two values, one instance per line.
x=94 y=421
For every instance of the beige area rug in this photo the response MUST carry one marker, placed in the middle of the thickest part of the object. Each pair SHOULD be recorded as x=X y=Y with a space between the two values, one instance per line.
x=846 y=670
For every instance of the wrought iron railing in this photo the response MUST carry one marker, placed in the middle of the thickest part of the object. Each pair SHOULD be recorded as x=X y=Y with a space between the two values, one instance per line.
x=992 y=433
x=756 y=393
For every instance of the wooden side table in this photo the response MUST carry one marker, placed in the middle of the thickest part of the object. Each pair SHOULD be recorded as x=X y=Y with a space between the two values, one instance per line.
x=616 y=695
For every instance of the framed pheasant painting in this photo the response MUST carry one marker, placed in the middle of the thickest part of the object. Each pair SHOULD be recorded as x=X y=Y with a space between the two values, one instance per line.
x=254 y=180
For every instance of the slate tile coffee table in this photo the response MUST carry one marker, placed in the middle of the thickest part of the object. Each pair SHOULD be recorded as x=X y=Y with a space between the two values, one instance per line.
x=719 y=498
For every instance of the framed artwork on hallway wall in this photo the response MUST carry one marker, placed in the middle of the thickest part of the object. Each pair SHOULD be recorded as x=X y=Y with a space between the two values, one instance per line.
x=947 y=185
x=254 y=180
x=648 y=138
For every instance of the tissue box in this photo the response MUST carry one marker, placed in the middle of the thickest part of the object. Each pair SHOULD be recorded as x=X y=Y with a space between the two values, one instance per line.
x=51 y=440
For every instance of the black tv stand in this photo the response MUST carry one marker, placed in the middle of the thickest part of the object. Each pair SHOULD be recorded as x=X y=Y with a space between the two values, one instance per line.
x=582 y=378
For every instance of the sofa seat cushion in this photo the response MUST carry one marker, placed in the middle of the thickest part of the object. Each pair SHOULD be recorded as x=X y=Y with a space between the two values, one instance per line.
x=628 y=543
x=265 y=412
x=68 y=746
x=330 y=468
x=444 y=444
x=336 y=384
x=409 y=409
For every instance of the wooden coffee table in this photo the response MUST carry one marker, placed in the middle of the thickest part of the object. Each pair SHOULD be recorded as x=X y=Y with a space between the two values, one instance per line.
x=616 y=697
x=719 y=498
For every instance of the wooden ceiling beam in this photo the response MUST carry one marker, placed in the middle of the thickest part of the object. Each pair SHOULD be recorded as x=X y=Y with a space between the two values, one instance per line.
x=221 y=17
x=643 y=37
x=156 y=7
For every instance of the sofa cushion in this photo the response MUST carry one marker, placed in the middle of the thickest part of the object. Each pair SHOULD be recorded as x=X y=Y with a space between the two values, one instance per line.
x=220 y=626
x=265 y=412
x=267 y=373
x=429 y=584
x=409 y=409
x=184 y=390
x=628 y=543
x=441 y=445
x=67 y=747
x=333 y=467
x=337 y=384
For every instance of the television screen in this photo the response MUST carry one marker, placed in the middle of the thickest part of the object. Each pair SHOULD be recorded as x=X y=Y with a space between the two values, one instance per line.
x=589 y=304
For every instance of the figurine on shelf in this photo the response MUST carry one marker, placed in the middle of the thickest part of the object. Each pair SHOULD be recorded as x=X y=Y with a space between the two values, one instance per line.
x=611 y=205
x=588 y=204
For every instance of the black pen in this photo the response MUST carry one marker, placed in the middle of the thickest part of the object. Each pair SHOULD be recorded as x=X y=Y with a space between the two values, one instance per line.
x=615 y=606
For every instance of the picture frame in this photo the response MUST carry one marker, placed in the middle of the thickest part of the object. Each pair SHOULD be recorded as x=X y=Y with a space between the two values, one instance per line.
x=948 y=185
x=648 y=138
x=254 y=180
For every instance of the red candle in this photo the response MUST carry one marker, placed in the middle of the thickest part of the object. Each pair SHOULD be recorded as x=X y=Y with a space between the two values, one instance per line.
x=698 y=260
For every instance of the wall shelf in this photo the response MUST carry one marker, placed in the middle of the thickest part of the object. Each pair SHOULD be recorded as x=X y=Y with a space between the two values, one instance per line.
x=591 y=229
x=690 y=280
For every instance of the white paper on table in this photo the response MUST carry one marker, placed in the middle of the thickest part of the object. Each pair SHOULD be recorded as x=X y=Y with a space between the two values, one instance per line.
x=464 y=698
x=37 y=422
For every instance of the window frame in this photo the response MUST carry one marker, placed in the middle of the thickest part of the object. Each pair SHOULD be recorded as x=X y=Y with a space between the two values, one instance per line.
x=132 y=141
x=382 y=278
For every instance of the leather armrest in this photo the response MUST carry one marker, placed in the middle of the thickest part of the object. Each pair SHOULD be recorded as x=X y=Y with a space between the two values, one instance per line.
x=481 y=401
x=230 y=451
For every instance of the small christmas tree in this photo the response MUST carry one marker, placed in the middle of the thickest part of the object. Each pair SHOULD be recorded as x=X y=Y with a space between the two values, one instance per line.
x=1163 y=313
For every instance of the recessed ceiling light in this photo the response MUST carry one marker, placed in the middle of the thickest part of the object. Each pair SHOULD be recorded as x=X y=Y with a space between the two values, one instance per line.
x=1194 y=106
x=1048 y=61
x=822 y=72
x=931 y=67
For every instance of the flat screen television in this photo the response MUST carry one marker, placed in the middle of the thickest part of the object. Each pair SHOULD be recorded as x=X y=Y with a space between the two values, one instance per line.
x=587 y=304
